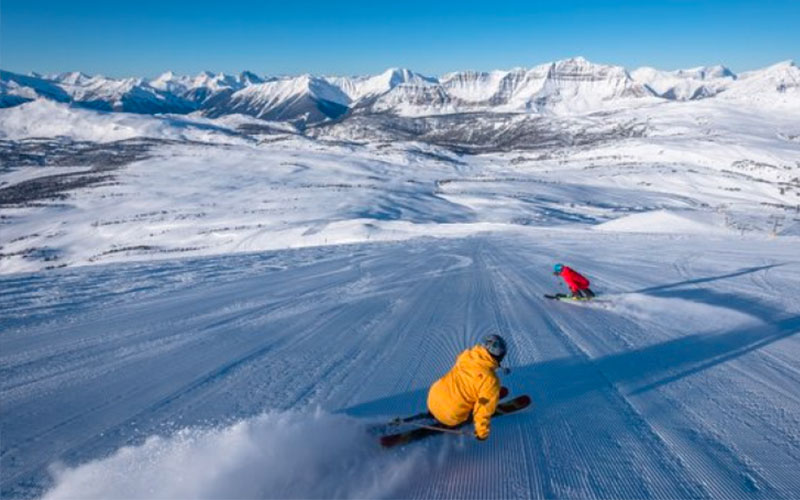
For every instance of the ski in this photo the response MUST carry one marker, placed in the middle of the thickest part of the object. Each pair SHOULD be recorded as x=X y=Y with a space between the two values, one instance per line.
x=421 y=416
x=561 y=296
x=401 y=438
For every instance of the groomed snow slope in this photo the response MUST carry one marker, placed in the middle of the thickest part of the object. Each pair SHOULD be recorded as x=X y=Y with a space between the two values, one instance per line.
x=682 y=381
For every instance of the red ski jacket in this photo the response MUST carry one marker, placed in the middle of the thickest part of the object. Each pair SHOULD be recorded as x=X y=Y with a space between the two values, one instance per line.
x=575 y=281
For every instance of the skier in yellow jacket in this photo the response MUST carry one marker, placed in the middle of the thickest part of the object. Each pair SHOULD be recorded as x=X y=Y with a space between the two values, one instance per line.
x=471 y=387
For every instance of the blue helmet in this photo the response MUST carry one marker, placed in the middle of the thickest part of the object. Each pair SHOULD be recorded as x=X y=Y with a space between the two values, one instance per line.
x=558 y=268
x=495 y=345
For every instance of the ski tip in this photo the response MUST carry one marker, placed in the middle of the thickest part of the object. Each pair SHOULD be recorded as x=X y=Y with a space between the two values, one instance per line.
x=387 y=441
x=519 y=402
x=514 y=405
x=391 y=440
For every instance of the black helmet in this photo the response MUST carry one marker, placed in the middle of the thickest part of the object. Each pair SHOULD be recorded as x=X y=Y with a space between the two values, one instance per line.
x=495 y=345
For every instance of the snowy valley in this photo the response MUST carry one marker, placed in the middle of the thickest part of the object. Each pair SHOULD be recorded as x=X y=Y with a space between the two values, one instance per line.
x=209 y=283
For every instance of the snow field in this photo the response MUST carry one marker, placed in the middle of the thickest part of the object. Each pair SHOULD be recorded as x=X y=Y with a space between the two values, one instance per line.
x=212 y=199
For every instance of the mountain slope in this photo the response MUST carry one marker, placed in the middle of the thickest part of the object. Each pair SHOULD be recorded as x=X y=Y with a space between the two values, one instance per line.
x=569 y=87
x=305 y=98
x=777 y=85
x=689 y=84
x=563 y=87
x=17 y=89
x=367 y=88
x=131 y=95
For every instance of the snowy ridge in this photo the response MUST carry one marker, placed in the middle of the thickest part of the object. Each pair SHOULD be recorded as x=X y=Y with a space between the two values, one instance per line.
x=684 y=85
x=17 y=89
x=777 y=85
x=567 y=87
x=578 y=85
x=363 y=88
x=132 y=95
x=206 y=87
x=71 y=78
x=309 y=98
x=415 y=100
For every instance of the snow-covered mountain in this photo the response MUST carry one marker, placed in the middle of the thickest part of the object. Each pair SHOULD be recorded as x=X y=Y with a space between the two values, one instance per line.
x=686 y=84
x=71 y=78
x=550 y=85
x=305 y=98
x=362 y=89
x=17 y=89
x=578 y=85
x=205 y=88
x=777 y=85
x=132 y=95
x=565 y=88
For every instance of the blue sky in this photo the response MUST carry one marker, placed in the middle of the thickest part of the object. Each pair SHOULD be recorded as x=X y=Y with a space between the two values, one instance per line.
x=145 y=37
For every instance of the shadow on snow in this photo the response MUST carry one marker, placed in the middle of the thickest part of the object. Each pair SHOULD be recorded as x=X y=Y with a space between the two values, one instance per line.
x=562 y=380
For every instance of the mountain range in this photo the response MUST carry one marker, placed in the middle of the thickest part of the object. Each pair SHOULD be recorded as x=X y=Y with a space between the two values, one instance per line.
x=565 y=87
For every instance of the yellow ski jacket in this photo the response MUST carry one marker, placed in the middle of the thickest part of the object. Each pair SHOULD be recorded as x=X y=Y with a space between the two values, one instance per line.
x=471 y=386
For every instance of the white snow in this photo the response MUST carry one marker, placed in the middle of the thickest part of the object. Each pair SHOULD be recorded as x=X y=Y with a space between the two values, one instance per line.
x=227 y=315
x=358 y=88
x=686 y=84
x=473 y=86
x=666 y=221
x=272 y=93
x=702 y=166
x=777 y=86
x=567 y=87
x=44 y=118
x=71 y=78
x=257 y=375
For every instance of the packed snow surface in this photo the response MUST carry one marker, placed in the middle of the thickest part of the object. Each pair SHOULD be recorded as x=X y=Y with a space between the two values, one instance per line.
x=258 y=375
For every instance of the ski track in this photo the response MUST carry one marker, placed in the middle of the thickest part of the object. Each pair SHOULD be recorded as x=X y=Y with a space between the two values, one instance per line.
x=659 y=405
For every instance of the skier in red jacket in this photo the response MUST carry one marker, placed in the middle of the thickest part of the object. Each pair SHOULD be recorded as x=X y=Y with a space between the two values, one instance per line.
x=578 y=284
